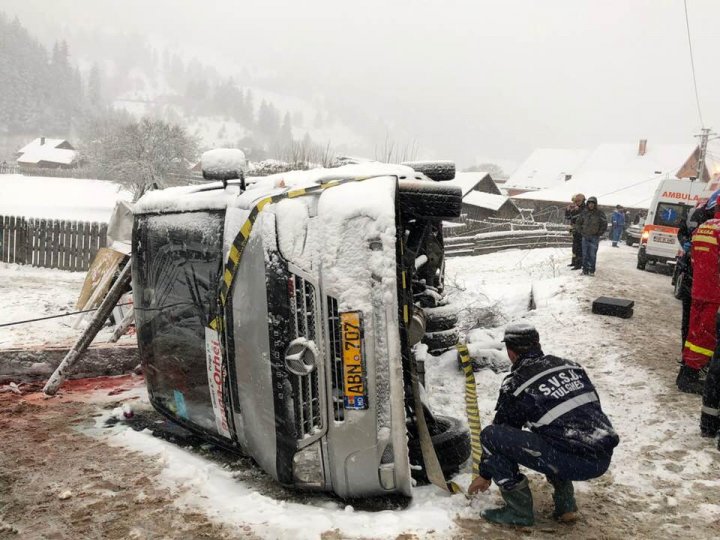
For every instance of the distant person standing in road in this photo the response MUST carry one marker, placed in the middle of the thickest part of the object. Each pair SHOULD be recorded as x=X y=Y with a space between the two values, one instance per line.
x=618 y=225
x=571 y=214
x=591 y=224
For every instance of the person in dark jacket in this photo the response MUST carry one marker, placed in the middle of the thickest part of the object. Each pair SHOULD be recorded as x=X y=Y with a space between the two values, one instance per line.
x=591 y=224
x=569 y=436
x=571 y=214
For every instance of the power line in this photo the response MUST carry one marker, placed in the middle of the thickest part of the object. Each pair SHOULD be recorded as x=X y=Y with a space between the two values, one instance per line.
x=692 y=65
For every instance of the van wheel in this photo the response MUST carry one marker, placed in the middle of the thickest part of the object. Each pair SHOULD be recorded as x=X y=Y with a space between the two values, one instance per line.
x=435 y=170
x=451 y=440
x=629 y=241
x=429 y=200
x=441 y=341
x=641 y=262
x=677 y=290
x=440 y=318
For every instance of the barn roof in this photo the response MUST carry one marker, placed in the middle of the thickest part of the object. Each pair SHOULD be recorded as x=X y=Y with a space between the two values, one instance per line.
x=48 y=154
x=47 y=143
x=489 y=201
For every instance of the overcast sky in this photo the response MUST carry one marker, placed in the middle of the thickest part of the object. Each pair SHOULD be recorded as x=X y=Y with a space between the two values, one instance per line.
x=468 y=79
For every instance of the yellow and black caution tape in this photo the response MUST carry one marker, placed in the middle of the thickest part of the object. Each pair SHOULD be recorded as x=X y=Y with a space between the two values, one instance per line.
x=471 y=409
x=241 y=239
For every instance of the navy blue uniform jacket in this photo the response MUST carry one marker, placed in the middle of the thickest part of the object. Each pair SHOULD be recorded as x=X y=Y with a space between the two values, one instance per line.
x=554 y=398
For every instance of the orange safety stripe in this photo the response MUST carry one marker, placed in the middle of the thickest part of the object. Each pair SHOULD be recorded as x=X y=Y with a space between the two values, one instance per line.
x=701 y=248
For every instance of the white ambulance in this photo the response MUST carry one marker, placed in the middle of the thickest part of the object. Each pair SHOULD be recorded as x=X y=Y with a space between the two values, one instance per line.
x=673 y=200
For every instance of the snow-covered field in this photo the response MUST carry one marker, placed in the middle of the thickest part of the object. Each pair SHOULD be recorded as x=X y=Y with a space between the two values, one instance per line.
x=664 y=478
x=29 y=293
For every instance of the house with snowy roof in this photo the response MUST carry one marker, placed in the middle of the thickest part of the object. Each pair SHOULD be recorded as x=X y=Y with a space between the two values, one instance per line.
x=624 y=174
x=545 y=168
x=47 y=153
x=482 y=198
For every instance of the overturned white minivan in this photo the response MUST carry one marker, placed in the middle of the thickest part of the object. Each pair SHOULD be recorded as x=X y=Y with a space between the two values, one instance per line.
x=278 y=316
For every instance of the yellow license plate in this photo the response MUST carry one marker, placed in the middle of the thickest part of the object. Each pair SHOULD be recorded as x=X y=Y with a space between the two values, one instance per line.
x=351 y=329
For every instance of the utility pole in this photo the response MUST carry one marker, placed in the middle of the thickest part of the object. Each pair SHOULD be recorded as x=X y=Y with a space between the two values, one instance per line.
x=704 y=137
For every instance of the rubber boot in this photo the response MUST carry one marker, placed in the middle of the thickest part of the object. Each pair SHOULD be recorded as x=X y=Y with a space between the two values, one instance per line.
x=688 y=380
x=518 y=509
x=564 y=498
x=709 y=424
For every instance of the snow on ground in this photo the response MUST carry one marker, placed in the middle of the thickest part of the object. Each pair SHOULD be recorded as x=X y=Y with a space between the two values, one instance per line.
x=664 y=478
x=29 y=293
x=59 y=198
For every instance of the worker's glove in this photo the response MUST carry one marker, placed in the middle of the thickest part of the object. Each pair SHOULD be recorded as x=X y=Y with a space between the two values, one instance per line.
x=686 y=247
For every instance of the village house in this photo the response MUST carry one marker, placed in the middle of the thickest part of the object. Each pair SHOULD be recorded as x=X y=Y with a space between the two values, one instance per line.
x=482 y=198
x=47 y=153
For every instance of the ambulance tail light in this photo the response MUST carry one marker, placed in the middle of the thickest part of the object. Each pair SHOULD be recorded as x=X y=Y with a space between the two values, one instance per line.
x=645 y=235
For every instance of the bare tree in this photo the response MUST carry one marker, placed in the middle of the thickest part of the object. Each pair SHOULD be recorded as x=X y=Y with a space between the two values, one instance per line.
x=390 y=151
x=304 y=154
x=141 y=154
x=495 y=170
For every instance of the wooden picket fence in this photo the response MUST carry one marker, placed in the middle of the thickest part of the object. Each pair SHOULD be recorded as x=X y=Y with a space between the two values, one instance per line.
x=50 y=243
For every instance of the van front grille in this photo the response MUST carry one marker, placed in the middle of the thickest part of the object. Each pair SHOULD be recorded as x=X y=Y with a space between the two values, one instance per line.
x=336 y=361
x=306 y=388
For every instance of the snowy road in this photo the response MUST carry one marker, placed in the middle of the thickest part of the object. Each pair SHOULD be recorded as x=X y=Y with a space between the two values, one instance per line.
x=663 y=482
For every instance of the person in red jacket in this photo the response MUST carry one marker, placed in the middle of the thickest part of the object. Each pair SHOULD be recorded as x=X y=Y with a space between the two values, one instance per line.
x=702 y=337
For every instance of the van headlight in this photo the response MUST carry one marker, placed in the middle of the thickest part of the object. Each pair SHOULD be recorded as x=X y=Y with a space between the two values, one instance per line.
x=308 y=466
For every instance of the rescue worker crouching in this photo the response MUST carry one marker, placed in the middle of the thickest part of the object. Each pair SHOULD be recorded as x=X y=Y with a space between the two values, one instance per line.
x=569 y=436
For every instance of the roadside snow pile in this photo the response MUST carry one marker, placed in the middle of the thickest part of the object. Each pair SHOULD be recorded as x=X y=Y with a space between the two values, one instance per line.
x=59 y=198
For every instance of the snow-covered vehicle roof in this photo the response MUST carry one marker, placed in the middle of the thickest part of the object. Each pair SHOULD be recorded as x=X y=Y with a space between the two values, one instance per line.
x=214 y=196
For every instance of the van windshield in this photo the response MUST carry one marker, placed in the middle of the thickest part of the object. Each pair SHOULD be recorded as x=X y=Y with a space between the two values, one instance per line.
x=670 y=214
x=177 y=269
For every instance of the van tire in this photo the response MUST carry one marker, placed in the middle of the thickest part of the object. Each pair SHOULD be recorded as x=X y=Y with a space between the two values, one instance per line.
x=429 y=200
x=435 y=170
x=678 y=285
x=452 y=446
x=641 y=262
x=437 y=322
x=441 y=341
x=629 y=241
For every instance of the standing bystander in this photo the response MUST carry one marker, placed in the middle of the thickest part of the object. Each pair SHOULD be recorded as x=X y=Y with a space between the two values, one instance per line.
x=618 y=225
x=571 y=214
x=591 y=224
